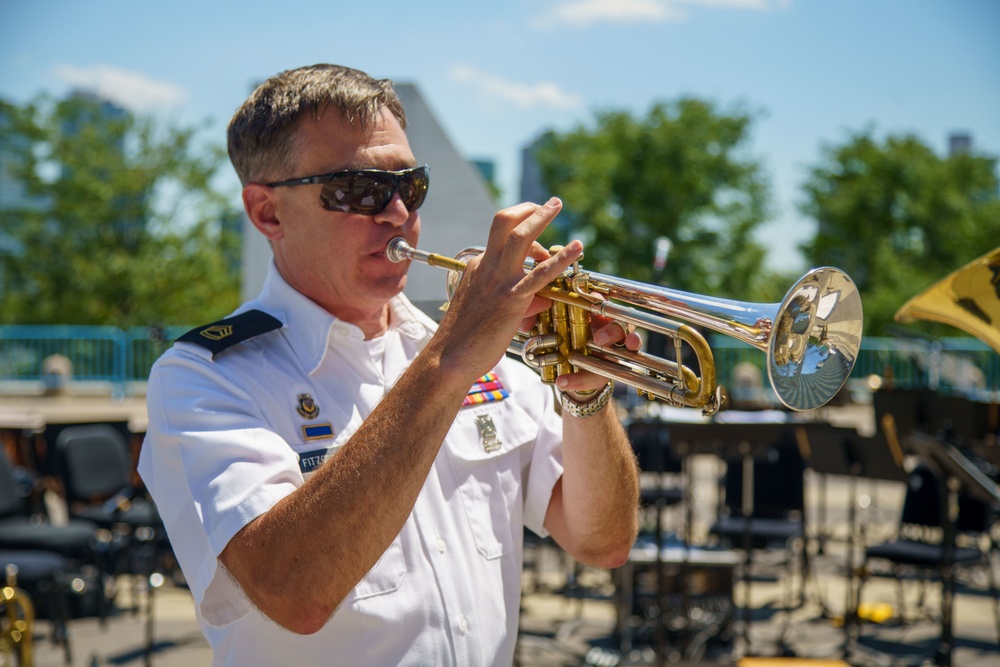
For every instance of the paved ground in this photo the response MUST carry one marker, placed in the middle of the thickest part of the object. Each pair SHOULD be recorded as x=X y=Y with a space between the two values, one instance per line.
x=566 y=630
x=578 y=624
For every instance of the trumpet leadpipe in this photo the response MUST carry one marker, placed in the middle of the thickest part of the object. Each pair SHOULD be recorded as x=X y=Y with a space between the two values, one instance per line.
x=398 y=250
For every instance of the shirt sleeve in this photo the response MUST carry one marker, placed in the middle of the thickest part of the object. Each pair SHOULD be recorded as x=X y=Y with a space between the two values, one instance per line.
x=212 y=465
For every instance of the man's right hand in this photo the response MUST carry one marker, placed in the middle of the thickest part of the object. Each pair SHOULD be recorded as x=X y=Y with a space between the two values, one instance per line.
x=496 y=297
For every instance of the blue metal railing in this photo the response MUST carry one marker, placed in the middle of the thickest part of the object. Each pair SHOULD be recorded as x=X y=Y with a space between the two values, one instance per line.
x=122 y=358
x=94 y=351
x=99 y=354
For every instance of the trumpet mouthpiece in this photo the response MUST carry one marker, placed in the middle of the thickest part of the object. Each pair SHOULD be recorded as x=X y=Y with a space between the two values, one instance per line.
x=398 y=250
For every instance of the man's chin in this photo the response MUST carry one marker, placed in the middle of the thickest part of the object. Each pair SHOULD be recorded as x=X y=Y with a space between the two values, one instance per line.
x=390 y=286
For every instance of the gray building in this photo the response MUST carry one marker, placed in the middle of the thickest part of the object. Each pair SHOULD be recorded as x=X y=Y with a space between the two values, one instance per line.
x=532 y=187
x=457 y=214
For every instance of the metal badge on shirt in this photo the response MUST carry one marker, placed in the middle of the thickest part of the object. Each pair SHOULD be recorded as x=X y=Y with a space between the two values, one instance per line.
x=488 y=433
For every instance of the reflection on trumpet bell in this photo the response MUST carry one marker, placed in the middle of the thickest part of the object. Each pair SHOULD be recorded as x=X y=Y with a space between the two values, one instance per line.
x=816 y=338
x=811 y=338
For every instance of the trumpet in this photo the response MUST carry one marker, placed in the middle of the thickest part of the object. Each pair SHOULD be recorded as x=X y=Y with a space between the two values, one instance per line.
x=811 y=338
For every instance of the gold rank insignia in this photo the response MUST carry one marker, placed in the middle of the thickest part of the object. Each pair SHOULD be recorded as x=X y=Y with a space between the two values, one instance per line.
x=220 y=336
x=217 y=332
x=488 y=433
x=307 y=407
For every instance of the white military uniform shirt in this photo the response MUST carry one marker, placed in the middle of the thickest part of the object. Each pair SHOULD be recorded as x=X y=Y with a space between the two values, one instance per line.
x=230 y=436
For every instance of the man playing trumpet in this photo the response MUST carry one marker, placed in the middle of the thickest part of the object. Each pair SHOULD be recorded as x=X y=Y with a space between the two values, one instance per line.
x=341 y=478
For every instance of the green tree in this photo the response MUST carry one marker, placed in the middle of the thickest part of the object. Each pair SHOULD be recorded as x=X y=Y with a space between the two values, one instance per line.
x=120 y=223
x=683 y=172
x=898 y=218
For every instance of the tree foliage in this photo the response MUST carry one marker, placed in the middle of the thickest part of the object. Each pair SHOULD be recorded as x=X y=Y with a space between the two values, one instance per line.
x=683 y=173
x=898 y=218
x=120 y=223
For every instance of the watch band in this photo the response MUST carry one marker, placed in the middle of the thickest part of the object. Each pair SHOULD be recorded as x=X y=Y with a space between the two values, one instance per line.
x=591 y=407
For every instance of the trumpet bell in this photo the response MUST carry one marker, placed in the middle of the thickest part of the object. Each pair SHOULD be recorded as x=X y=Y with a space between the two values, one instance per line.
x=815 y=339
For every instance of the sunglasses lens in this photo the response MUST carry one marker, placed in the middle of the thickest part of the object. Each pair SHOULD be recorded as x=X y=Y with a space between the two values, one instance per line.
x=413 y=188
x=366 y=194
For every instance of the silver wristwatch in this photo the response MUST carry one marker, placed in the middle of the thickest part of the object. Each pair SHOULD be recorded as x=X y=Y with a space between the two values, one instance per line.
x=591 y=407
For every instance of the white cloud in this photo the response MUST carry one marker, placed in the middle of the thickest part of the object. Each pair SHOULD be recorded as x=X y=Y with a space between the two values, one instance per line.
x=544 y=94
x=132 y=90
x=588 y=12
x=583 y=13
x=739 y=4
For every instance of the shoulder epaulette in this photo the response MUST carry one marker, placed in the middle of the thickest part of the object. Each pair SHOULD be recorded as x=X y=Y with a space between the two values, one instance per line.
x=223 y=334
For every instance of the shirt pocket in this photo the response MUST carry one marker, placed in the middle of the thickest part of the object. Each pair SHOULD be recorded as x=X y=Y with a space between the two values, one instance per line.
x=385 y=576
x=388 y=572
x=484 y=448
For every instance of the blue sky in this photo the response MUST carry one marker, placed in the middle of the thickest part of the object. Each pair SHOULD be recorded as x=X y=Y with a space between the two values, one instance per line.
x=498 y=74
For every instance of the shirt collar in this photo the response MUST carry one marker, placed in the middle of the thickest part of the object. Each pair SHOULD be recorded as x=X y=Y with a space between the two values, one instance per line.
x=310 y=330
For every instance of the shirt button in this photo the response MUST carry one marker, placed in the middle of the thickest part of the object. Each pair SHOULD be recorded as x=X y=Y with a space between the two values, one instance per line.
x=463 y=624
x=442 y=547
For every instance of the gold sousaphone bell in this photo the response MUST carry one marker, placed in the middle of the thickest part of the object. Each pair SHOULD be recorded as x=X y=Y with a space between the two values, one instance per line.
x=811 y=338
x=968 y=299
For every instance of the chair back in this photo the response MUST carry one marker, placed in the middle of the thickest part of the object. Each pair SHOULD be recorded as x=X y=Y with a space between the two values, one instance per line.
x=974 y=515
x=922 y=504
x=10 y=501
x=94 y=462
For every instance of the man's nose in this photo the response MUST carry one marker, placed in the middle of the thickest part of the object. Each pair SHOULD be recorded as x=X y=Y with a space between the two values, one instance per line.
x=395 y=214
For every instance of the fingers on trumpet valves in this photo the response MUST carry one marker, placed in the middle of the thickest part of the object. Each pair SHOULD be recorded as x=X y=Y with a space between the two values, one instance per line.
x=614 y=333
x=625 y=334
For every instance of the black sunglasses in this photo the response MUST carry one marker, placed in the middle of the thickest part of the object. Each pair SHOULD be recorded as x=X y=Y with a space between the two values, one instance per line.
x=368 y=191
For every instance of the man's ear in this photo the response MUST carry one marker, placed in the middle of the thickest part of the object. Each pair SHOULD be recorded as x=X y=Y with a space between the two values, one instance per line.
x=258 y=200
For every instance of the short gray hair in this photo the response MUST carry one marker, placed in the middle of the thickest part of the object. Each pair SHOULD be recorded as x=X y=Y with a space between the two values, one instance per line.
x=260 y=132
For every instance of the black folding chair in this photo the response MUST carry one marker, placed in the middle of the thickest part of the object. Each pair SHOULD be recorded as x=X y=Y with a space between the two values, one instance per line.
x=58 y=565
x=919 y=550
x=95 y=466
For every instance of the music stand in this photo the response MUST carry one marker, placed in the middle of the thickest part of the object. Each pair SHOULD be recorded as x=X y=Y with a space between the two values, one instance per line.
x=727 y=440
x=967 y=420
x=823 y=448
x=971 y=425
x=912 y=409
x=650 y=441
x=960 y=475
x=832 y=450
x=961 y=419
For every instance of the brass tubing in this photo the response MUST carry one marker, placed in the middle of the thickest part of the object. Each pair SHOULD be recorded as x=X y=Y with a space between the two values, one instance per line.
x=811 y=338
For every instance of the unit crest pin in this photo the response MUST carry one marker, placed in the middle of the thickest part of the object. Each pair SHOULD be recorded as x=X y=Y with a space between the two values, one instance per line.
x=307 y=407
